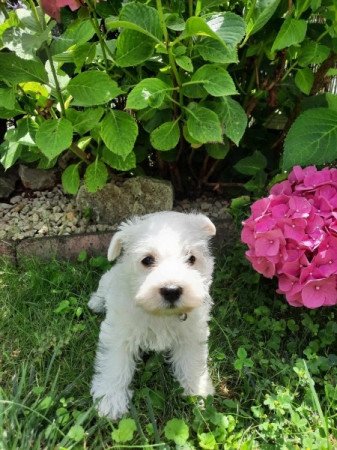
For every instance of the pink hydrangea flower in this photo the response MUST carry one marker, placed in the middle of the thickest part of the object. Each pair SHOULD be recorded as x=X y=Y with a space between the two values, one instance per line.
x=292 y=234
x=53 y=7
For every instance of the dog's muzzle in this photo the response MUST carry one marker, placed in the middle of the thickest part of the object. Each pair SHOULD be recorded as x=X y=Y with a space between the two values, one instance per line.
x=171 y=294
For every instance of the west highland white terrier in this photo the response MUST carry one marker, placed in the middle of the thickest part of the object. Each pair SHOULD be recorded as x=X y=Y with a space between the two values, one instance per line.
x=156 y=297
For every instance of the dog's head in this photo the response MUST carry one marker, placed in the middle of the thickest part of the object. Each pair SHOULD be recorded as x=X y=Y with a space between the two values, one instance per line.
x=167 y=260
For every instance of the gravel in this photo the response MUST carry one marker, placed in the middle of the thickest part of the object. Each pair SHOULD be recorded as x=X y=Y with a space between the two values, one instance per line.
x=51 y=213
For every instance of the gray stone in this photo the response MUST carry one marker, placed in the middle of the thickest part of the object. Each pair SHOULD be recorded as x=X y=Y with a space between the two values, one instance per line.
x=4 y=206
x=137 y=196
x=15 y=199
x=37 y=179
x=8 y=180
x=7 y=186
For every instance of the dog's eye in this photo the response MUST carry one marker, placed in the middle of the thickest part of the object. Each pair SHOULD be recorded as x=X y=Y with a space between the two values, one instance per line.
x=191 y=260
x=148 y=261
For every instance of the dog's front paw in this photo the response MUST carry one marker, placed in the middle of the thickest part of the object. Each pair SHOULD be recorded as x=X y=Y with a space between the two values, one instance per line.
x=97 y=303
x=112 y=404
x=202 y=387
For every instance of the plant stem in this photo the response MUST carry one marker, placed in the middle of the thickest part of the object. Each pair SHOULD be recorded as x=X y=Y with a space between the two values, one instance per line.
x=317 y=403
x=3 y=9
x=190 y=8
x=250 y=11
x=42 y=25
x=173 y=66
x=198 y=7
x=95 y=24
x=287 y=72
x=162 y=21
x=169 y=48
x=80 y=153
x=56 y=81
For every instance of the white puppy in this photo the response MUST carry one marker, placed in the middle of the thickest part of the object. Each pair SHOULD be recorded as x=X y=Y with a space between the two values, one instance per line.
x=156 y=297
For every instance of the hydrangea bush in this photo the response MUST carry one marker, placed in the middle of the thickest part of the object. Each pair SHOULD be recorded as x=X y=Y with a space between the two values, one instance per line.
x=292 y=234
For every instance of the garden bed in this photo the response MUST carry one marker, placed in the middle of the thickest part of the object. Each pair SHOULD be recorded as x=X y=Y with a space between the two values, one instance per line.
x=53 y=213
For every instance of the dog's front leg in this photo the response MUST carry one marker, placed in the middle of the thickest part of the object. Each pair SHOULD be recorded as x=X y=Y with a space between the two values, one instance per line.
x=189 y=360
x=114 y=368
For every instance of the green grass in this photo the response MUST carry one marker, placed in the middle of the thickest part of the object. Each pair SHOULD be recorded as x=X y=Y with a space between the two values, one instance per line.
x=274 y=367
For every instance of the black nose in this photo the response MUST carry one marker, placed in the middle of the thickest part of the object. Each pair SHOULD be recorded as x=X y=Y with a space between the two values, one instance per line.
x=171 y=294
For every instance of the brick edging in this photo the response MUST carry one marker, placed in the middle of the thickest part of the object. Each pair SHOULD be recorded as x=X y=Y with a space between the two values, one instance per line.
x=60 y=247
x=69 y=246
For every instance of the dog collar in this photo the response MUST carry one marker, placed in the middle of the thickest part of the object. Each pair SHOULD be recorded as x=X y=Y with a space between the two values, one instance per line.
x=183 y=317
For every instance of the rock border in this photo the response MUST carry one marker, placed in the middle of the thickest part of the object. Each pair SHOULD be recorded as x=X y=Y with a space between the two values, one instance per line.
x=69 y=246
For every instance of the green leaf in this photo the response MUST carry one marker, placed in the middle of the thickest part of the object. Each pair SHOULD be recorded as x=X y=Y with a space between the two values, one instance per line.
x=15 y=70
x=71 y=179
x=175 y=22
x=25 y=44
x=215 y=80
x=185 y=63
x=166 y=136
x=113 y=24
x=251 y=165
x=7 y=98
x=54 y=136
x=95 y=176
x=257 y=183
x=26 y=131
x=197 y=26
x=312 y=139
x=84 y=121
x=78 y=54
x=37 y=89
x=240 y=202
x=194 y=143
x=214 y=51
x=12 y=21
x=93 y=88
x=27 y=18
x=118 y=162
x=133 y=48
x=125 y=431
x=218 y=151
x=263 y=11
x=195 y=90
x=203 y=124
x=304 y=79
x=9 y=153
x=139 y=18
x=234 y=119
x=177 y=431
x=45 y=403
x=152 y=118
x=312 y=53
x=10 y=113
x=82 y=256
x=207 y=441
x=77 y=32
x=76 y=433
x=292 y=32
x=179 y=50
x=148 y=92
x=62 y=77
x=227 y=27
x=144 y=16
x=119 y=132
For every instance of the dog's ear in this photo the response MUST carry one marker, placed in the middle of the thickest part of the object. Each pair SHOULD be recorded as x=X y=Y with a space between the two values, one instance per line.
x=115 y=246
x=207 y=225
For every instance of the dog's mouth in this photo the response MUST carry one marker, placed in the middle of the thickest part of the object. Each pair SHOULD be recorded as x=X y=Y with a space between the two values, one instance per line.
x=171 y=310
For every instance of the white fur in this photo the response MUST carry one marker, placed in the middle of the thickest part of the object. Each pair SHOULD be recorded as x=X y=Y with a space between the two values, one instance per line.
x=137 y=316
